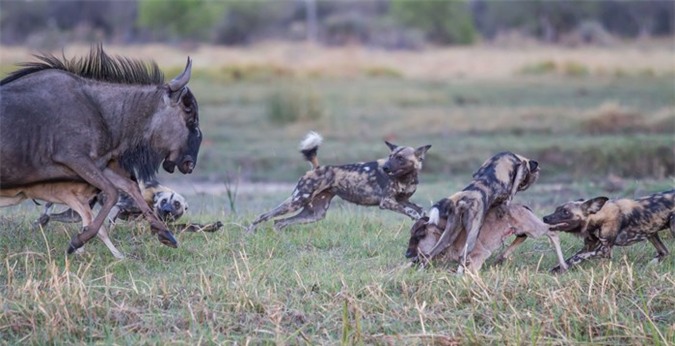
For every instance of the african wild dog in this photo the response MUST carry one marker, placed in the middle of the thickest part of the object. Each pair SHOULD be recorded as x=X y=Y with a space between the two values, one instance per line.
x=495 y=183
x=387 y=183
x=500 y=222
x=604 y=223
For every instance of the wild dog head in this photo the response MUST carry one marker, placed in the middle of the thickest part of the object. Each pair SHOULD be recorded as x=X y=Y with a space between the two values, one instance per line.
x=528 y=171
x=169 y=205
x=403 y=161
x=423 y=237
x=573 y=216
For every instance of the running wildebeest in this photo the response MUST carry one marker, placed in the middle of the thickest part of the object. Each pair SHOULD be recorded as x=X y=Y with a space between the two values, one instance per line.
x=98 y=120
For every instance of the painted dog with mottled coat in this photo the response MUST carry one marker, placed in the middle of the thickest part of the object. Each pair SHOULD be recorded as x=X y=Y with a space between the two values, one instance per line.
x=604 y=223
x=500 y=222
x=495 y=183
x=388 y=183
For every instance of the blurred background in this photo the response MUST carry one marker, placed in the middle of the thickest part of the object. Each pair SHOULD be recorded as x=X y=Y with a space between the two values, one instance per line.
x=585 y=87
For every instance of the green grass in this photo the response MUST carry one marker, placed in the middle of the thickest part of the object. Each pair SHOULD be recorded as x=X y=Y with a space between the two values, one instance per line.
x=344 y=280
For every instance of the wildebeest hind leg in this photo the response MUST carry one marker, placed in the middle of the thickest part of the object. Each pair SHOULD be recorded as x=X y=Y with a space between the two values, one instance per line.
x=132 y=189
x=312 y=212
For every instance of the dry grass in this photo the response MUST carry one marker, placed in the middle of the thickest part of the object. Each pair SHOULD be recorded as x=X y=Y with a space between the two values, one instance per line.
x=432 y=63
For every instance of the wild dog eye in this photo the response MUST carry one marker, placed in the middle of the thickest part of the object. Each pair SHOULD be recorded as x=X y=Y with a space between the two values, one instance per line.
x=176 y=204
x=566 y=212
x=163 y=201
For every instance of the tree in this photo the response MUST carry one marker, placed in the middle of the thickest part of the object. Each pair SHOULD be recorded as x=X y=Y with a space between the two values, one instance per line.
x=192 y=19
x=444 y=22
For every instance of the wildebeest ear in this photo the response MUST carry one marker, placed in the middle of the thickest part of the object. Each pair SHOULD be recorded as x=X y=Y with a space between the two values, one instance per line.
x=594 y=205
x=392 y=147
x=182 y=79
x=419 y=152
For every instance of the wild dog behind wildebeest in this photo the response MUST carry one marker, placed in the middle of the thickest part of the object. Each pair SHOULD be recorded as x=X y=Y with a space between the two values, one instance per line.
x=387 y=183
x=495 y=182
x=500 y=222
x=97 y=120
x=603 y=223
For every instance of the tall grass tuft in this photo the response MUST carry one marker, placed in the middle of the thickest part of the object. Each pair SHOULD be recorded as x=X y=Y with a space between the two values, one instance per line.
x=290 y=104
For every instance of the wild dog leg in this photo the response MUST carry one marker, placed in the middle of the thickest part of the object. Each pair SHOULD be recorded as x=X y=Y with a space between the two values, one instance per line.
x=592 y=248
x=312 y=212
x=661 y=250
x=473 y=220
x=292 y=204
x=405 y=209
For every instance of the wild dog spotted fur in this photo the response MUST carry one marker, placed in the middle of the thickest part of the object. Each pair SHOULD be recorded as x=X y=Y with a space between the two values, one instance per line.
x=387 y=183
x=500 y=222
x=604 y=223
x=495 y=183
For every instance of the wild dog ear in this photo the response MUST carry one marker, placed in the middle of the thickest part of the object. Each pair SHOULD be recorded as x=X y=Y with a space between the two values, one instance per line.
x=421 y=151
x=594 y=205
x=392 y=147
x=533 y=165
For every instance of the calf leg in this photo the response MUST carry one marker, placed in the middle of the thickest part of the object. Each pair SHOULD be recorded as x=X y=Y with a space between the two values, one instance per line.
x=512 y=247
x=473 y=220
x=312 y=212
x=661 y=250
x=555 y=241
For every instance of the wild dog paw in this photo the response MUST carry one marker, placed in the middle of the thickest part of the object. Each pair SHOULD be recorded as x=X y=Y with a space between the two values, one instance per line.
x=557 y=270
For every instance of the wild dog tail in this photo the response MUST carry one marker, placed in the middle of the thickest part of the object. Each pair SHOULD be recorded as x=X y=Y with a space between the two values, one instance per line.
x=310 y=146
x=436 y=210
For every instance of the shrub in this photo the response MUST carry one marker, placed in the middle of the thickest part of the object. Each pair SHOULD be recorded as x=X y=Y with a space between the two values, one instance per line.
x=287 y=105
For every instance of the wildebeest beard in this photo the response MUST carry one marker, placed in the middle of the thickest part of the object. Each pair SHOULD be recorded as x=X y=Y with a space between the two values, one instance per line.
x=141 y=161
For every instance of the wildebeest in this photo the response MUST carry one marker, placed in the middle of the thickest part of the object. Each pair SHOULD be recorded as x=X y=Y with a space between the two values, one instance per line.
x=99 y=120
x=500 y=222
x=604 y=223
x=495 y=182
x=388 y=183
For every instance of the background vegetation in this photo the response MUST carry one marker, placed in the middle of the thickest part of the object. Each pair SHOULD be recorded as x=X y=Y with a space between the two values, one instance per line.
x=599 y=117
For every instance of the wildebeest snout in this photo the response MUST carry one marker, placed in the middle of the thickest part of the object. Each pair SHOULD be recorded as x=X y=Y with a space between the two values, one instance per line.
x=410 y=253
x=187 y=164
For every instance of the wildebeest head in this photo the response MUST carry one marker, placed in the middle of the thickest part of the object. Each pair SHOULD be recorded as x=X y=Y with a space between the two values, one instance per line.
x=176 y=125
x=169 y=205
x=423 y=237
x=572 y=216
x=404 y=160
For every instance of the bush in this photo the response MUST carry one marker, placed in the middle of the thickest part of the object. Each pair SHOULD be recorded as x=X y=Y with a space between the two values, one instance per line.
x=288 y=105
x=444 y=22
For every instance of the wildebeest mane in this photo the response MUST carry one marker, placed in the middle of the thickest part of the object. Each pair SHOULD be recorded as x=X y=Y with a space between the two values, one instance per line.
x=97 y=66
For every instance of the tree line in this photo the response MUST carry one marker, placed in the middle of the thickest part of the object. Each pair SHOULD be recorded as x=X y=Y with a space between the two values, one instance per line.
x=379 y=23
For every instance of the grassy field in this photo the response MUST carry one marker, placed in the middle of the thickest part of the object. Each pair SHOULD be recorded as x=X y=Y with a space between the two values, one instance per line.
x=600 y=122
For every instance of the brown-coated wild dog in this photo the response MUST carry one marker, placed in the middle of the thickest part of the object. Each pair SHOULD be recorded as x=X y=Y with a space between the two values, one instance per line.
x=387 y=183
x=495 y=183
x=500 y=222
x=604 y=223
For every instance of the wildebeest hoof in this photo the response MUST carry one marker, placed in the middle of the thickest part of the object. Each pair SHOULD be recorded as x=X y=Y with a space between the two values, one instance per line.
x=75 y=243
x=165 y=237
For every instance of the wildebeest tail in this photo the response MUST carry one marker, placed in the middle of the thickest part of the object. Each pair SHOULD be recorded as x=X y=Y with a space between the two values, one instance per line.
x=310 y=146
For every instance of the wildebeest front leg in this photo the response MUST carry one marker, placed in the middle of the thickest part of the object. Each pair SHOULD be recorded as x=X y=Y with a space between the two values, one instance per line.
x=555 y=241
x=406 y=208
x=661 y=250
x=88 y=171
x=131 y=188
x=312 y=212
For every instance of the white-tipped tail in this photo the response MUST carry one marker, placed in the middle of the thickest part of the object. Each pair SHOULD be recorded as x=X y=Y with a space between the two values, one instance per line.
x=433 y=216
x=311 y=140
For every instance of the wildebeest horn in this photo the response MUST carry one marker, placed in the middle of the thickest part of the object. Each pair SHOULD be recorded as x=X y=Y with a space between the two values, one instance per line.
x=181 y=81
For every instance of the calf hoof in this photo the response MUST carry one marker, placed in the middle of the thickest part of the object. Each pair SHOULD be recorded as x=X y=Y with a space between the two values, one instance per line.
x=557 y=270
x=41 y=222
x=165 y=237
x=75 y=243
